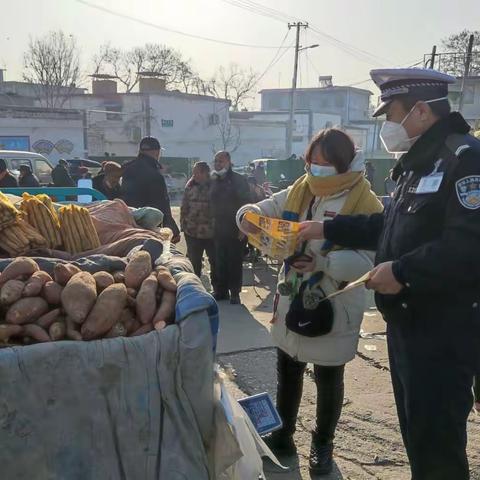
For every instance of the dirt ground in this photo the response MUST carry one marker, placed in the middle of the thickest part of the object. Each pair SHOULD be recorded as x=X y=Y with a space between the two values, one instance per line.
x=368 y=444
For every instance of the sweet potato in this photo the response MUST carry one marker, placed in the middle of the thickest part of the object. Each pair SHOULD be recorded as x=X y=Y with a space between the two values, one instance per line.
x=103 y=280
x=129 y=321
x=46 y=320
x=166 y=310
x=138 y=269
x=21 y=266
x=36 y=332
x=35 y=283
x=11 y=292
x=63 y=272
x=132 y=292
x=106 y=312
x=159 y=326
x=118 y=330
x=52 y=292
x=26 y=310
x=146 y=305
x=73 y=332
x=7 y=331
x=142 y=330
x=57 y=331
x=165 y=279
x=119 y=276
x=79 y=296
x=131 y=302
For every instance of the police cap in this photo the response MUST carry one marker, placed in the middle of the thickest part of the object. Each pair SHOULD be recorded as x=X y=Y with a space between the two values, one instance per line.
x=421 y=83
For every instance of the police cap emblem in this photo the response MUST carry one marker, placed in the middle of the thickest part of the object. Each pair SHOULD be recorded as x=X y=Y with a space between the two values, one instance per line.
x=468 y=191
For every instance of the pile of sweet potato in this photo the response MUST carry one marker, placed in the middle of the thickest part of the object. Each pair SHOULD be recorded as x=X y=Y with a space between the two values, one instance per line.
x=76 y=305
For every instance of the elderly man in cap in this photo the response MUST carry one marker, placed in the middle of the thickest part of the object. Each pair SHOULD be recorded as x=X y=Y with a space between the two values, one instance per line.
x=144 y=186
x=427 y=278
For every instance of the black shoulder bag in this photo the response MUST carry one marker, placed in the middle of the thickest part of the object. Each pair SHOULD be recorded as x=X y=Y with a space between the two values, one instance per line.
x=309 y=315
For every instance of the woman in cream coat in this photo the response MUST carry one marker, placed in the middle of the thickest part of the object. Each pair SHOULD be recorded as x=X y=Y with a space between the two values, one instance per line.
x=334 y=184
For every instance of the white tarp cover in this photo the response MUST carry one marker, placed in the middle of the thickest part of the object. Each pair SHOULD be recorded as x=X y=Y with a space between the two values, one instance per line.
x=120 y=409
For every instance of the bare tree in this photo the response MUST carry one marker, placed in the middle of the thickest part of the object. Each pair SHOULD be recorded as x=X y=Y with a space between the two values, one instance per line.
x=234 y=84
x=52 y=64
x=229 y=137
x=455 y=47
x=126 y=65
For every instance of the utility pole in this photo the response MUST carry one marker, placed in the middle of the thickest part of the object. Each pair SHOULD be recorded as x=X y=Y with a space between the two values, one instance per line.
x=432 y=57
x=296 y=25
x=466 y=72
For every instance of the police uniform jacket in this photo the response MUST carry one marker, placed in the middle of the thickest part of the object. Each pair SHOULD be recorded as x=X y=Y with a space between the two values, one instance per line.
x=430 y=230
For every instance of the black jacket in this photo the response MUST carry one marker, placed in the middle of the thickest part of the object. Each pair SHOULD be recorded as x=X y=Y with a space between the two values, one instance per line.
x=29 y=180
x=227 y=195
x=144 y=186
x=110 y=193
x=61 y=177
x=433 y=237
x=8 y=181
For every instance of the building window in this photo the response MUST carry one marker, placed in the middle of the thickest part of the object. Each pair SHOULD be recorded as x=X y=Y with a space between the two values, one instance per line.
x=213 y=119
x=115 y=109
x=274 y=102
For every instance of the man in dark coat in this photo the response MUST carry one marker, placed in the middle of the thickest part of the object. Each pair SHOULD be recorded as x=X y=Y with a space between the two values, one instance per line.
x=229 y=192
x=144 y=186
x=60 y=175
x=27 y=178
x=7 y=180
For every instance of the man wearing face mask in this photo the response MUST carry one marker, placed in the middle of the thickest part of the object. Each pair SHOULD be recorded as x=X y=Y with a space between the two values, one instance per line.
x=427 y=278
x=229 y=191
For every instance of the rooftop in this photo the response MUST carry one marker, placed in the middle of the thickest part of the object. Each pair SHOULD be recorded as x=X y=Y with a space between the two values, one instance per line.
x=317 y=89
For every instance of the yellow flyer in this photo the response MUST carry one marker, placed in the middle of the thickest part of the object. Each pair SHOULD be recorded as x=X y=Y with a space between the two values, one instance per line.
x=276 y=238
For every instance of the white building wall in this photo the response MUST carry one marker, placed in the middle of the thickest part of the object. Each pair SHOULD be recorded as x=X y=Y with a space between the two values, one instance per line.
x=258 y=139
x=54 y=138
x=191 y=127
x=187 y=126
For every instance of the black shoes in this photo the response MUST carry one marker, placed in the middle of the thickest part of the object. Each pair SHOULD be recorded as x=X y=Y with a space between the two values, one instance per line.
x=235 y=299
x=281 y=444
x=321 y=457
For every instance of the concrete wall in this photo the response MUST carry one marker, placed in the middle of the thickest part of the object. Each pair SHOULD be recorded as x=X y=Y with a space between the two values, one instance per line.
x=54 y=135
x=186 y=125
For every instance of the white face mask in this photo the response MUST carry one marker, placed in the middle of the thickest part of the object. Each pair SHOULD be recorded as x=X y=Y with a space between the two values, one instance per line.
x=220 y=173
x=321 y=170
x=394 y=136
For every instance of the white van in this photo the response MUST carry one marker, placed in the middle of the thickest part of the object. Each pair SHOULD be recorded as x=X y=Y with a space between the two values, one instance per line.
x=40 y=166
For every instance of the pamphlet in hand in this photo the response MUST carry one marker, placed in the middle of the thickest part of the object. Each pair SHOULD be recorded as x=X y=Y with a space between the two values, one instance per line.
x=277 y=238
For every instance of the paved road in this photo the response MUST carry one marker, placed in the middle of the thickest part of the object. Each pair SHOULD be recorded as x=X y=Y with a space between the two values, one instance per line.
x=368 y=442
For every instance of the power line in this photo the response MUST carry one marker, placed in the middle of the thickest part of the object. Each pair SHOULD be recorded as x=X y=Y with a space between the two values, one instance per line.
x=275 y=60
x=275 y=14
x=171 y=30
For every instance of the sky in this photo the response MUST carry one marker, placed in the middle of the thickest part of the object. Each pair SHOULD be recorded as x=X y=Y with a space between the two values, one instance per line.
x=354 y=36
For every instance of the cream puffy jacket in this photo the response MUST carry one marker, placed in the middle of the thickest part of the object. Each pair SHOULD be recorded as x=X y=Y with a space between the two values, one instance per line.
x=340 y=345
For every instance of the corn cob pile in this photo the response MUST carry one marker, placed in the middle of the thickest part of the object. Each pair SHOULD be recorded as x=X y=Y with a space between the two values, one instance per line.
x=78 y=231
x=8 y=212
x=40 y=214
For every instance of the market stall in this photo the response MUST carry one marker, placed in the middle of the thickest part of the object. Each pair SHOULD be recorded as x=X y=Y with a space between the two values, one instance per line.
x=108 y=362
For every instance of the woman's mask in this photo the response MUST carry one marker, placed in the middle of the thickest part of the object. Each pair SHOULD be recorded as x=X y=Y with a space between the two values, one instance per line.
x=322 y=170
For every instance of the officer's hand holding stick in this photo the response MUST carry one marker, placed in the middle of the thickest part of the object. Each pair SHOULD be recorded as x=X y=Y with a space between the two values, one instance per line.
x=382 y=279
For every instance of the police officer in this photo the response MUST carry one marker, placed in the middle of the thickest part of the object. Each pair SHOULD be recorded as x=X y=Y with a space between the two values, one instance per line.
x=427 y=278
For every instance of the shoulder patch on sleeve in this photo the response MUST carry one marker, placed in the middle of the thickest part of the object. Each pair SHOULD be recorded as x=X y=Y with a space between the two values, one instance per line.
x=468 y=191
